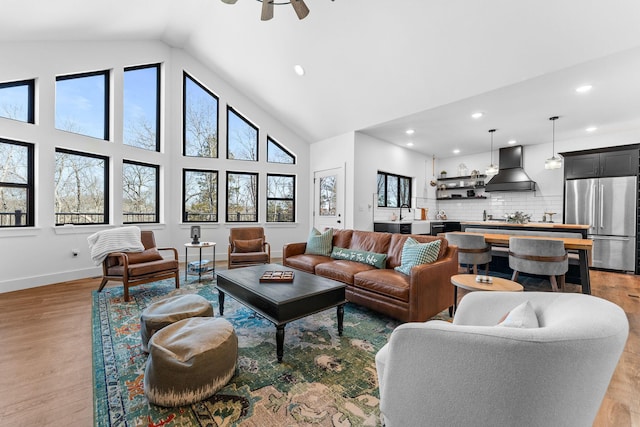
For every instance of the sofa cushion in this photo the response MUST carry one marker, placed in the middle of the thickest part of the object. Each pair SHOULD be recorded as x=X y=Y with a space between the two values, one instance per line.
x=370 y=241
x=251 y=245
x=342 y=238
x=394 y=254
x=522 y=316
x=385 y=282
x=319 y=243
x=342 y=271
x=306 y=262
x=414 y=253
x=370 y=258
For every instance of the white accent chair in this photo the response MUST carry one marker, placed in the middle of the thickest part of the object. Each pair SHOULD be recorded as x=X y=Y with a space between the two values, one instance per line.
x=473 y=373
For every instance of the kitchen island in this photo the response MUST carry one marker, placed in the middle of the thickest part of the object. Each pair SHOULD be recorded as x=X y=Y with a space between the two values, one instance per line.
x=579 y=255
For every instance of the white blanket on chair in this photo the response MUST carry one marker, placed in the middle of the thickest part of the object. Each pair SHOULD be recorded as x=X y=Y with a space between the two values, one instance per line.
x=122 y=239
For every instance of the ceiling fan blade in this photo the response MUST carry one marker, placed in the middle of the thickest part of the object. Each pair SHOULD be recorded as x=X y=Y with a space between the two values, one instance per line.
x=267 y=10
x=229 y=1
x=301 y=9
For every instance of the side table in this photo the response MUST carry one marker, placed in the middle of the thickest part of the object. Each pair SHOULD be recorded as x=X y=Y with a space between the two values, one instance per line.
x=199 y=246
x=468 y=282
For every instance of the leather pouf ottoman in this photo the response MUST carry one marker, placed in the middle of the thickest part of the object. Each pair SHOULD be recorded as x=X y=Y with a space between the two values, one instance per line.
x=169 y=310
x=190 y=360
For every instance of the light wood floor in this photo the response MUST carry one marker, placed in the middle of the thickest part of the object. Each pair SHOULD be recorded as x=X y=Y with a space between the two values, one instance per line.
x=46 y=365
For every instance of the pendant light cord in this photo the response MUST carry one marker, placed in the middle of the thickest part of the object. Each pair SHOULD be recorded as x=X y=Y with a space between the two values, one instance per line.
x=553 y=135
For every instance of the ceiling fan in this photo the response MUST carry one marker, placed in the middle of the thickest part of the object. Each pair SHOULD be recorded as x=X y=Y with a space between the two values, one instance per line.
x=299 y=6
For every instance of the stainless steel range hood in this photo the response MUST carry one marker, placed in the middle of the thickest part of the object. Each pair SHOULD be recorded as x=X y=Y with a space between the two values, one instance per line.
x=511 y=176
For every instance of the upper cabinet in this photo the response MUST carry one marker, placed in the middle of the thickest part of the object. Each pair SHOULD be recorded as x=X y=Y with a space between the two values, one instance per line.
x=601 y=164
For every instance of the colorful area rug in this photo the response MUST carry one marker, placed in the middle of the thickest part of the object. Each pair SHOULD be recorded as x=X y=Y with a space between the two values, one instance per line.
x=324 y=380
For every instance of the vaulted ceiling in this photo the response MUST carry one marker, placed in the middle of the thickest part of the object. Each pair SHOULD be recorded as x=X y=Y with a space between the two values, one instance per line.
x=384 y=66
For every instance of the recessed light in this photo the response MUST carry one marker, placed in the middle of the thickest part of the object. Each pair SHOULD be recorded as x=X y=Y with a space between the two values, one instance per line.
x=409 y=144
x=299 y=70
x=591 y=129
x=410 y=131
x=456 y=151
x=584 y=89
x=477 y=115
x=511 y=141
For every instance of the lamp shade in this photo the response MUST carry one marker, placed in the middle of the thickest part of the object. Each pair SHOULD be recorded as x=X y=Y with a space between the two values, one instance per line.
x=554 y=162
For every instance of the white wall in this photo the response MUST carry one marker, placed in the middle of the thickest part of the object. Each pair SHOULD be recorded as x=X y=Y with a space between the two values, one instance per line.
x=42 y=255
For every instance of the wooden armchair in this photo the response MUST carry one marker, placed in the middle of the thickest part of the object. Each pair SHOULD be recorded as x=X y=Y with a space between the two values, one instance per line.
x=247 y=246
x=136 y=268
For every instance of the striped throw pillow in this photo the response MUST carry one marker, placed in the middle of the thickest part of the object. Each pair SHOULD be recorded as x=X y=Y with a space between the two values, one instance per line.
x=319 y=243
x=414 y=253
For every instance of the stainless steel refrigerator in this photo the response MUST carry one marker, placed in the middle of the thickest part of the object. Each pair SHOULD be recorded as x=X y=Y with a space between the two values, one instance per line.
x=608 y=205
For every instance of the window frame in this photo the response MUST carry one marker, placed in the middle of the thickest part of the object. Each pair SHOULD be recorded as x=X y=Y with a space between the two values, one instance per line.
x=185 y=218
x=247 y=121
x=386 y=193
x=107 y=98
x=31 y=98
x=270 y=142
x=186 y=76
x=157 y=192
x=257 y=196
x=29 y=186
x=158 y=98
x=106 y=188
x=292 y=199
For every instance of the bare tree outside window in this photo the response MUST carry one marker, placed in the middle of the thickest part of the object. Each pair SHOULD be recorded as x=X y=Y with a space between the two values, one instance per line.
x=242 y=137
x=278 y=154
x=281 y=198
x=200 y=118
x=16 y=184
x=17 y=100
x=328 y=195
x=393 y=190
x=141 y=107
x=139 y=192
x=242 y=197
x=200 y=195
x=80 y=193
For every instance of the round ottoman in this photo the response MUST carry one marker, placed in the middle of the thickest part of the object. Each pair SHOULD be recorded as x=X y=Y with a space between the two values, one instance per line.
x=190 y=360
x=169 y=310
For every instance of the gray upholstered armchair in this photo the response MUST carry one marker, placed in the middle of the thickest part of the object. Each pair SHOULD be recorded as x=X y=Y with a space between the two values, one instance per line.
x=473 y=373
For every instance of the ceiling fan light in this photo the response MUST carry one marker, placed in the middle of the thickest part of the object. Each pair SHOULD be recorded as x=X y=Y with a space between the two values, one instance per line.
x=229 y=1
x=554 y=162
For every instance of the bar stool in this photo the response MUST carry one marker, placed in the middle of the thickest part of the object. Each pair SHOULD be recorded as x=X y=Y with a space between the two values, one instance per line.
x=539 y=256
x=472 y=250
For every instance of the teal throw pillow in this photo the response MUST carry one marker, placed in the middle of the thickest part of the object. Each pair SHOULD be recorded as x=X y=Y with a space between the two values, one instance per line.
x=371 y=258
x=414 y=253
x=319 y=243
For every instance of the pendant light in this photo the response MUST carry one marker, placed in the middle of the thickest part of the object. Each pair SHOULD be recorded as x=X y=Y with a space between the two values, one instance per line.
x=492 y=169
x=554 y=162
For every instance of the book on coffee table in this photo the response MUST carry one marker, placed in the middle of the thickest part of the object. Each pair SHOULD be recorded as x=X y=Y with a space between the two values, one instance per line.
x=276 y=276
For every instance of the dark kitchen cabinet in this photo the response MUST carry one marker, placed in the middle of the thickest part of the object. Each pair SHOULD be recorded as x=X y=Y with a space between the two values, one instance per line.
x=605 y=164
x=385 y=227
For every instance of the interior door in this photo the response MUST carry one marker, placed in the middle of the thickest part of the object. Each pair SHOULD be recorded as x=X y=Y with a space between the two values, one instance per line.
x=328 y=198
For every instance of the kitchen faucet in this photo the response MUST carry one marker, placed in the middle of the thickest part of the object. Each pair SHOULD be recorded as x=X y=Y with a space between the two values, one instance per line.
x=404 y=205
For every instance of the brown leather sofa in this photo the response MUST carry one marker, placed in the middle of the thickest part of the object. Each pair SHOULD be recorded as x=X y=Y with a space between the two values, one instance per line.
x=414 y=298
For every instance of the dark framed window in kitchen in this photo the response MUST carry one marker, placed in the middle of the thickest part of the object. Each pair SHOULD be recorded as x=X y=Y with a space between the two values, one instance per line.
x=393 y=190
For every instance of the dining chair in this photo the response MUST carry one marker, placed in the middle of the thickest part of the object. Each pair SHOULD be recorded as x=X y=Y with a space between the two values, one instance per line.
x=472 y=250
x=539 y=256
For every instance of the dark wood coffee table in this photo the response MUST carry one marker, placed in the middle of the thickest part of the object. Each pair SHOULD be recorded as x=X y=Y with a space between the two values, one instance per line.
x=281 y=303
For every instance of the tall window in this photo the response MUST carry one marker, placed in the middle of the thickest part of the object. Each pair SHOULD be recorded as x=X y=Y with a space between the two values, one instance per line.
x=393 y=190
x=242 y=137
x=16 y=184
x=281 y=204
x=199 y=195
x=242 y=197
x=276 y=153
x=17 y=100
x=141 y=109
x=140 y=192
x=82 y=104
x=200 y=119
x=81 y=193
